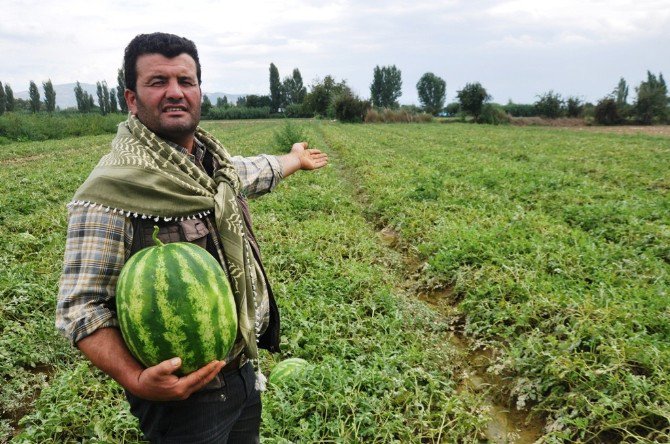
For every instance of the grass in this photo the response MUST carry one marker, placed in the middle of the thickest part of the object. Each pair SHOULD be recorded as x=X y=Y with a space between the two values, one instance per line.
x=553 y=247
x=23 y=127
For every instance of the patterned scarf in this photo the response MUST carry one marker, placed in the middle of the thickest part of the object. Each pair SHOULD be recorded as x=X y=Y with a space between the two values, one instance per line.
x=142 y=176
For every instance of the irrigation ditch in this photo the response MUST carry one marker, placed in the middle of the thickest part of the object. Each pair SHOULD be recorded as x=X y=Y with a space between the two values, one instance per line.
x=507 y=424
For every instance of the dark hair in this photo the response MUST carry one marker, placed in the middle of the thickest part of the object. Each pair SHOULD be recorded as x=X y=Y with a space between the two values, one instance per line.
x=168 y=45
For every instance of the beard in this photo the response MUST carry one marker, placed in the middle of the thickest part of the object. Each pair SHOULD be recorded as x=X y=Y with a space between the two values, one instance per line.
x=175 y=128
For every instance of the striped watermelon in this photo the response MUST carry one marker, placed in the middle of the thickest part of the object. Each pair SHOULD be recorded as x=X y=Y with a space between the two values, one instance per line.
x=287 y=369
x=175 y=300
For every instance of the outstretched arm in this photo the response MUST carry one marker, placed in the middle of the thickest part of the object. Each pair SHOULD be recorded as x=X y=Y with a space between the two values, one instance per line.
x=302 y=158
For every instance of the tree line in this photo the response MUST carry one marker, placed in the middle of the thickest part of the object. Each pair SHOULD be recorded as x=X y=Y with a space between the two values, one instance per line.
x=330 y=98
x=651 y=105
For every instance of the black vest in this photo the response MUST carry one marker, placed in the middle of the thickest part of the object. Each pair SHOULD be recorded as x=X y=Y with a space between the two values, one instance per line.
x=200 y=232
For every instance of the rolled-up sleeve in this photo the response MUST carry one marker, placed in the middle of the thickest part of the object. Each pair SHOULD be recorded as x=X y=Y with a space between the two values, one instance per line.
x=259 y=174
x=95 y=252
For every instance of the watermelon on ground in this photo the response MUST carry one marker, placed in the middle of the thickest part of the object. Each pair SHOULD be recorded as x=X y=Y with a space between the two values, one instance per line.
x=175 y=300
x=287 y=369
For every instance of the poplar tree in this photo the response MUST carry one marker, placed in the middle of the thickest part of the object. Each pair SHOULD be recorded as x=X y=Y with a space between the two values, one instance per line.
x=275 y=89
x=620 y=93
x=299 y=90
x=652 y=100
x=79 y=97
x=49 y=96
x=112 y=101
x=386 y=87
x=2 y=100
x=206 y=105
x=9 y=98
x=105 y=97
x=120 y=90
x=34 y=97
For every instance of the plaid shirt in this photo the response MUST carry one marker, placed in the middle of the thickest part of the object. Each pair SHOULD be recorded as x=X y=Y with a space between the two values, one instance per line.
x=99 y=243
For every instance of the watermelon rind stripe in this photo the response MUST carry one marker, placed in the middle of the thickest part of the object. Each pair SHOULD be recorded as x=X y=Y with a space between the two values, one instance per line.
x=189 y=274
x=287 y=369
x=183 y=309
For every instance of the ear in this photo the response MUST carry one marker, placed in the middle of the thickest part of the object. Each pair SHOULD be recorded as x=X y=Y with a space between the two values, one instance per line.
x=131 y=101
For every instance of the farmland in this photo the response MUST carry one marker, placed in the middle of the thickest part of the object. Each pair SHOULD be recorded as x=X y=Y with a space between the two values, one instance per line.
x=435 y=276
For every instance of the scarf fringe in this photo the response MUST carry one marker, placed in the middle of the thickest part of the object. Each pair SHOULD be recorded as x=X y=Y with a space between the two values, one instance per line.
x=261 y=380
x=93 y=205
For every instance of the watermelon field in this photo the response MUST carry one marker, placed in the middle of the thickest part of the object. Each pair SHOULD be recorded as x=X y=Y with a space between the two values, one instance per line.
x=450 y=283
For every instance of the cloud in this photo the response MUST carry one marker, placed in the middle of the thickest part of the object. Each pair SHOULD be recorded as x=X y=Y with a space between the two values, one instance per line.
x=589 y=20
x=460 y=40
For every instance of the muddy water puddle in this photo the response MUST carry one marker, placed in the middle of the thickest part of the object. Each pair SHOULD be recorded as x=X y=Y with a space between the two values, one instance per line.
x=507 y=425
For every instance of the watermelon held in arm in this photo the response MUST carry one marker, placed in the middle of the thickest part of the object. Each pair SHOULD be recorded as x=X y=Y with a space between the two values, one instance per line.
x=175 y=300
x=287 y=369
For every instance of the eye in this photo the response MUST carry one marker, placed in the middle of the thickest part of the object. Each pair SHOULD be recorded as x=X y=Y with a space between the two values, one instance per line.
x=157 y=82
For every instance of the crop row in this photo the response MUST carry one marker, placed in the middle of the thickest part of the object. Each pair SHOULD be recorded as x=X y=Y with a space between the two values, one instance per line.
x=554 y=247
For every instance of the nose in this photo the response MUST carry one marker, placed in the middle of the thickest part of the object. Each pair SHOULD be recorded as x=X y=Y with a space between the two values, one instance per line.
x=174 y=90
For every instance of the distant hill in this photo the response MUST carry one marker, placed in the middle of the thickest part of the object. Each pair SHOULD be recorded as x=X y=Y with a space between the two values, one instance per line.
x=232 y=98
x=65 y=94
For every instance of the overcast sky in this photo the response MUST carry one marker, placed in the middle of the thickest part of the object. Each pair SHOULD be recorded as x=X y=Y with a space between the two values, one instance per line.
x=517 y=49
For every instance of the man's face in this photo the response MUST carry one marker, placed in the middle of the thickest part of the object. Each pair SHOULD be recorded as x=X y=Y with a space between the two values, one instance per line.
x=167 y=96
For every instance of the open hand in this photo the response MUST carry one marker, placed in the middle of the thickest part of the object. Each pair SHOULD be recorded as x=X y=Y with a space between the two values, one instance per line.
x=310 y=158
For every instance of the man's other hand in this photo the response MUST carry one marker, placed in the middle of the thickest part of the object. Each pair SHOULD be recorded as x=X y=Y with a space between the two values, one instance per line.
x=159 y=383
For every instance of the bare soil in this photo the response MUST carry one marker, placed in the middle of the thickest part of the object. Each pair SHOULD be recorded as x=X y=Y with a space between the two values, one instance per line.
x=577 y=124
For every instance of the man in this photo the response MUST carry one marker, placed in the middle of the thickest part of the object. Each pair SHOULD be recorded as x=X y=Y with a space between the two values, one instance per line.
x=164 y=170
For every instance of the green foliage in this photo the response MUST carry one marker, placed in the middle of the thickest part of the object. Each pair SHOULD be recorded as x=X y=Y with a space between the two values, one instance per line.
x=3 y=99
x=452 y=109
x=292 y=90
x=620 y=93
x=607 y=112
x=238 y=112
x=554 y=247
x=386 y=87
x=288 y=134
x=24 y=127
x=49 y=96
x=64 y=412
x=432 y=90
x=297 y=110
x=320 y=100
x=34 y=97
x=275 y=89
x=652 y=100
x=114 y=108
x=350 y=109
x=472 y=98
x=574 y=107
x=493 y=114
x=520 y=109
x=333 y=281
x=83 y=98
x=222 y=102
x=402 y=115
x=104 y=104
x=206 y=106
x=120 y=90
x=254 y=101
x=9 y=98
x=549 y=105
